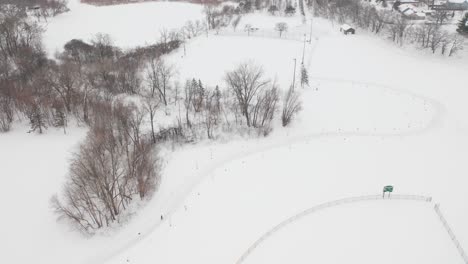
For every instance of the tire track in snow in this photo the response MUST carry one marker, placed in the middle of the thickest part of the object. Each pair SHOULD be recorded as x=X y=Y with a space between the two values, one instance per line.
x=320 y=207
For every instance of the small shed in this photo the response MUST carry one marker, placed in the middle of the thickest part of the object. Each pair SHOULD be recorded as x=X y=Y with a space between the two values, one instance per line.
x=347 y=29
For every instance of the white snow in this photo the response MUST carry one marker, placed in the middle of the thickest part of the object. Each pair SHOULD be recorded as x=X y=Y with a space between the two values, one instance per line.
x=129 y=25
x=379 y=116
x=345 y=26
x=33 y=169
x=374 y=115
x=220 y=54
x=370 y=232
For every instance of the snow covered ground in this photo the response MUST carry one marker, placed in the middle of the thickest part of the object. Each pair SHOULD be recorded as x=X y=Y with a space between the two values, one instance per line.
x=369 y=232
x=129 y=25
x=374 y=115
x=33 y=168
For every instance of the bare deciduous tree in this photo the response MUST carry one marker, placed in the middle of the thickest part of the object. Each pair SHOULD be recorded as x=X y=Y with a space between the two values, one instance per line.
x=235 y=22
x=151 y=106
x=188 y=100
x=398 y=29
x=246 y=82
x=281 y=27
x=211 y=111
x=457 y=43
x=440 y=16
x=159 y=77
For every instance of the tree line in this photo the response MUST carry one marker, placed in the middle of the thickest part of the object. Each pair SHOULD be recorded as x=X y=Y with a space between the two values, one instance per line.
x=91 y=82
x=391 y=24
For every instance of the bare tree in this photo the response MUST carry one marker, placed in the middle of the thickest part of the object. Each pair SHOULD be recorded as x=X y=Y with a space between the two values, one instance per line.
x=66 y=83
x=440 y=16
x=37 y=117
x=246 y=82
x=378 y=20
x=128 y=78
x=159 y=77
x=291 y=106
x=424 y=33
x=457 y=43
x=188 y=100
x=193 y=29
x=151 y=106
x=398 y=29
x=265 y=107
x=437 y=38
x=211 y=111
x=209 y=11
x=235 y=22
x=281 y=27
x=113 y=166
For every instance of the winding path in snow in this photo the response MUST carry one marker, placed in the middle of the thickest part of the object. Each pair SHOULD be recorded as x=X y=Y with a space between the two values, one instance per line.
x=202 y=174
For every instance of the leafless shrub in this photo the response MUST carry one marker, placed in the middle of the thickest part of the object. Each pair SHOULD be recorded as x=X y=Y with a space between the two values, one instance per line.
x=456 y=44
x=265 y=107
x=173 y=133
x=291 y=106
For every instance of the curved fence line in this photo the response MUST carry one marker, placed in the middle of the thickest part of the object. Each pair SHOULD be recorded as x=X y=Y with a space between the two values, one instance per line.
x=450 y=233
x=324 y=206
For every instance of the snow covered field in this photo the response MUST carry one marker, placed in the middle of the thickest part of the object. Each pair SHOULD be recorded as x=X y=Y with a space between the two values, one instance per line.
x=374 y=115
x=378 y=116
x=128 y=25
x=33 y=168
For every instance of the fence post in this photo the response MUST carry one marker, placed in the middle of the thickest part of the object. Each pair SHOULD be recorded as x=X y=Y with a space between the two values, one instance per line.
x=455 y=241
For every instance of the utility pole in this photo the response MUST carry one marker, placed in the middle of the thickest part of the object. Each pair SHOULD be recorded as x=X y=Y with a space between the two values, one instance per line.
x=184 y=40
x=294 y=75
x=303 y=49
x=311 y=22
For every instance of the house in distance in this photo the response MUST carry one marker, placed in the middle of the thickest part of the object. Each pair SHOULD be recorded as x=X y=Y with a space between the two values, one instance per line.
x=347 y=29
